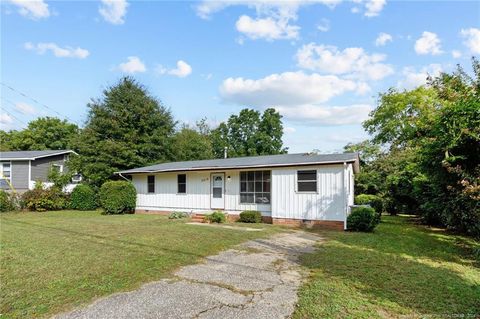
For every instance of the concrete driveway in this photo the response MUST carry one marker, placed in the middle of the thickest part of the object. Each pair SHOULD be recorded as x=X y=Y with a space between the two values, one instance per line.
x=258 y=279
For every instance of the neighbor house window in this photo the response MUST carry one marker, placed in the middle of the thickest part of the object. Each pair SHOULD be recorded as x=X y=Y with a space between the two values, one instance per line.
x=151 y=183
x=307 y=181
x=6 y=171
x=57 y=167
x=255 y=187
x=182 y=183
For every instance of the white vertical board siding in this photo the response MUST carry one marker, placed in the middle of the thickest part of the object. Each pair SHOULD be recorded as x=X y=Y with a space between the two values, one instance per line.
x=197 y=197
x=328 y=203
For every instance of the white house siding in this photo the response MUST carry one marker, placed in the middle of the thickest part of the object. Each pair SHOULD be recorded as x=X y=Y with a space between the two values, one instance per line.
x=328 y=203
x=197 y=197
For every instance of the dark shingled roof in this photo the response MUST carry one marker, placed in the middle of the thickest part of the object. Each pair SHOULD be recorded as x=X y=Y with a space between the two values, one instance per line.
x=31 y=155
x=251 y=162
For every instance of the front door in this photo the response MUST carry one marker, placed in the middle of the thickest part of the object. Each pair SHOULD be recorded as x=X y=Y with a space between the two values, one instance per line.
x=217 y=200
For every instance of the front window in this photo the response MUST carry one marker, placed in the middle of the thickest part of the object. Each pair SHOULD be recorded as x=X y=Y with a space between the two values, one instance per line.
x=151 y=183
x=255 y=187
x=307 y=181
x=58 y=168
x=6 y=171
x=182 y=183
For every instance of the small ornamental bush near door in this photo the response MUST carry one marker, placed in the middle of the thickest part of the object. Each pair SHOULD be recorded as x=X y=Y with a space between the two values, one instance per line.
x=83 y=198
x=118 y=197
x=216 y=217
x=177 y=215
x=362 y=219
x=250 y=216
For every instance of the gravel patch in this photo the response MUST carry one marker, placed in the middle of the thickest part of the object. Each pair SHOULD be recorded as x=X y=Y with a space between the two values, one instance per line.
x=260 y=279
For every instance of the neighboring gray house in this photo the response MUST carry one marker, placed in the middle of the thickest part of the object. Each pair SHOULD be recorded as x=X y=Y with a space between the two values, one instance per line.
x=21 y=169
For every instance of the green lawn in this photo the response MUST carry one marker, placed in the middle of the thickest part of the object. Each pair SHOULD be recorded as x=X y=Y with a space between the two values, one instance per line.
x=400 y=271
x=52 y=262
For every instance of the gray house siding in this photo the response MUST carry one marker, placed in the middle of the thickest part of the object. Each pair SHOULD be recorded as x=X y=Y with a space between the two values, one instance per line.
x=20 y=175
x=41 y=167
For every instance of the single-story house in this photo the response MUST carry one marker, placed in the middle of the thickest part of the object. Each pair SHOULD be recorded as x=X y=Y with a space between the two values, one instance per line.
x=287 y=189
x=21 y=169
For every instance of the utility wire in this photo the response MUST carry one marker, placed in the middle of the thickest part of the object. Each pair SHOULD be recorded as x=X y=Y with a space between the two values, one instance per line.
x=16 y=118
x=39 y=103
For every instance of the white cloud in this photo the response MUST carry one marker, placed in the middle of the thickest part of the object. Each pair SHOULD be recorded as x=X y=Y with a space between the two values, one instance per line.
x=456 y=54
x=59 y=52
x=413 y=78
x=472 y=39
x=25 y=108
x=32 y=9
x=382 y=39
x=324 y=25
x=273 y=19
x=266 y=28
x=285 y=89
x=182 y=70
x=326 y=115
x=113 y=11
x=352 y=61
x=289 y=129
x=133 y=65
x=5 y=119
x=428 y=43
x=374 y=7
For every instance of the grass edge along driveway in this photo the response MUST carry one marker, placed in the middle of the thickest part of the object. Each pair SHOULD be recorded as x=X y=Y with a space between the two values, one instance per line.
x=55 y=261
x=402 y=270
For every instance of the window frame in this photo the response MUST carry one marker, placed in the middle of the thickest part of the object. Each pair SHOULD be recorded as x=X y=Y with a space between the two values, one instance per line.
x=181 y=183
x=60 y=167
x=254 y=183
x=10 y=170
x=149 y=183
x=297 y=188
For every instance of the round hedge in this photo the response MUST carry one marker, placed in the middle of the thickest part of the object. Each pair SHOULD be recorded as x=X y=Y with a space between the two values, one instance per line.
x=118 y=197
x=362 y=219
x=5 y=202
x=83 y=198
x=250 y=216
x=373 y=200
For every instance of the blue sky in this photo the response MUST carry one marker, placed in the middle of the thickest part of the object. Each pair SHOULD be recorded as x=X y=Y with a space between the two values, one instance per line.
x=320 y=63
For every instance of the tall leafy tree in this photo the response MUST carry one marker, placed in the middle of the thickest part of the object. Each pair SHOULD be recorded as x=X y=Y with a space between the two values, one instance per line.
x=192 y=144
x=44 y=133
x=126 y=128
x=249 y=133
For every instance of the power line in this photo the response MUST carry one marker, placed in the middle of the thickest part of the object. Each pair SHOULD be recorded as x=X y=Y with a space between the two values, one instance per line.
x=16 y=118
x=36 y=101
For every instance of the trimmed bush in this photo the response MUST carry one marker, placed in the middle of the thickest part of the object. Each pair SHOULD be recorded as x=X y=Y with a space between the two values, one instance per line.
x=250 y=216
x=216 y=217
x=5 y=201
x=118 y=197
x=362 y=219
x=177 y=215
x=40 y=200
x=83 y=198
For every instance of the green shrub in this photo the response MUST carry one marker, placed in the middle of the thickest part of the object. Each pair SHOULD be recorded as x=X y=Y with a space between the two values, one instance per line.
x=177 y=215
x=83 y=198
x=40 y=200
x=118 y=197
x=376 y=202
x=216 y=217
x=250 y=216
x=5 y=201
x=362 y=219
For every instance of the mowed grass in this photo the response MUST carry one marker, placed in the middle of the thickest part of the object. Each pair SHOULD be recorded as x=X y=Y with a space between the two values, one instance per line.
x=402 y=270
x=54 y=261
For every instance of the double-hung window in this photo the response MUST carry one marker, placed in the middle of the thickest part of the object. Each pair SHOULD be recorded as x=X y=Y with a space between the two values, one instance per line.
x=255 y=187
x=182 y=183
x=151 y=183
x=307 y=181
x=6 y=171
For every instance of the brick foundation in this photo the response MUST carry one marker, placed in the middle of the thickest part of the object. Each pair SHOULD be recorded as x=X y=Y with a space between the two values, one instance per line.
x=320 y=224
x=151 y=212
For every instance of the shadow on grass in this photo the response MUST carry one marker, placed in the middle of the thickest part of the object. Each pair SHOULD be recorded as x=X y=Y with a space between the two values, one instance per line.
x=400 y=269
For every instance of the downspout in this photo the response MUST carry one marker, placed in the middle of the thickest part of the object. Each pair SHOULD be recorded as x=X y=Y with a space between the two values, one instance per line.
x=120 y=174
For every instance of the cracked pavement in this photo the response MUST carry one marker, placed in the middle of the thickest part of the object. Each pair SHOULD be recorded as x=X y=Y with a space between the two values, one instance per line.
x=257 y=279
